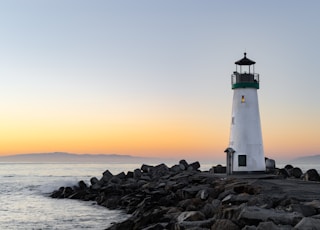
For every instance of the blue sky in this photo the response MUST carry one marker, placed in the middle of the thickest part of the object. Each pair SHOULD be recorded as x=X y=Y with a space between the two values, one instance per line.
x=136 y=63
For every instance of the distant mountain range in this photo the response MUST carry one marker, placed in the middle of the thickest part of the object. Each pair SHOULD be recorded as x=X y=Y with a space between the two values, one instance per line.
x=313 y=159
x=61 y=157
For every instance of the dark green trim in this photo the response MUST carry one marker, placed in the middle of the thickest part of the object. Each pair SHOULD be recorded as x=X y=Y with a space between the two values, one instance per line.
x=245 y=85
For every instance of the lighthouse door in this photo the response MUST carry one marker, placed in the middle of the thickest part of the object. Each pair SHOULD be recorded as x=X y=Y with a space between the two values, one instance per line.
x=229 y=163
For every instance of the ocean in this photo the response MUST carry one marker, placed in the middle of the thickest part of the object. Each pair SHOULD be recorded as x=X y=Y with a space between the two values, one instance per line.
x=25 y=201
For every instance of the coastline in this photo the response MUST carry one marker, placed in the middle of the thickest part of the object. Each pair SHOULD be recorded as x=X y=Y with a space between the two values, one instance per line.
x=183 y=197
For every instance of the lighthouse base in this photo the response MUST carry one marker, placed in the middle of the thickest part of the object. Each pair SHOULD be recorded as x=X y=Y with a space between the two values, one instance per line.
x=247 y=172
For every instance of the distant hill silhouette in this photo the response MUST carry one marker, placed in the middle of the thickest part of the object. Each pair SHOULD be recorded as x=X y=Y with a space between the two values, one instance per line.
x=61 y=157
x=312 y=159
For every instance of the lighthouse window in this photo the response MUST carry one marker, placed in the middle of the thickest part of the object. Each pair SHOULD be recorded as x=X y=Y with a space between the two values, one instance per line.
x=242 y=99
x=242 y=160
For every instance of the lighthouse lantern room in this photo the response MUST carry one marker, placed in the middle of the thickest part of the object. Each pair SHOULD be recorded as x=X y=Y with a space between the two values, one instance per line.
x=245 y=152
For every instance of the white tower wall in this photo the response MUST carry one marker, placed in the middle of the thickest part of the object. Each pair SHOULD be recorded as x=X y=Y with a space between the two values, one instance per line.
x=245 y=133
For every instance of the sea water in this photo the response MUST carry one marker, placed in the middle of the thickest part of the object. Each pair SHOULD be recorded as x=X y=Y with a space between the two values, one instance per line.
x=25 y=201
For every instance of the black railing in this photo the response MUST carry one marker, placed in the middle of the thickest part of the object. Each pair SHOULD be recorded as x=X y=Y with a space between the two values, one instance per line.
x=244 y=78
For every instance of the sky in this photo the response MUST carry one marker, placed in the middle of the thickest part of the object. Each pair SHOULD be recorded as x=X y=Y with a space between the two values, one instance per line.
x=152 y=78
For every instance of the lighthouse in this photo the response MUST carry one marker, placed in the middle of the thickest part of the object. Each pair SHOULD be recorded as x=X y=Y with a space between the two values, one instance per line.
x=245 y=152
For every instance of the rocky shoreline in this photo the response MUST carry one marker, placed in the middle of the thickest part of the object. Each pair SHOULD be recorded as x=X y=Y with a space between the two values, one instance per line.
x=183 y=197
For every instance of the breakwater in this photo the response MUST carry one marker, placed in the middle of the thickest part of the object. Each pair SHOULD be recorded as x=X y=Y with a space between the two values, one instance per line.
x=183 y=197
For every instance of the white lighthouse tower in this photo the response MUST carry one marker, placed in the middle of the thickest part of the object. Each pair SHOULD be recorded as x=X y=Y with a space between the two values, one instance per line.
x=245 y=152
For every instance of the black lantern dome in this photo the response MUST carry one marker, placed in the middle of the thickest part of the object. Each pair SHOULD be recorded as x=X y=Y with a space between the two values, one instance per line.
x=245 y=77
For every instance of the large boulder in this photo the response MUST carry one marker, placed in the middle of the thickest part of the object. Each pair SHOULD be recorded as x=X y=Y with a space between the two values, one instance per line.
x=67 y=191
x=283 y=172
x=311 y=175
x=261 y=201
x=146 y=168
x=308 y=223
x=194 y=166
x=175 y=169
x=252 y=215
x=190 y=216
x=183 y=164
x=195 y=225
x=107 y=175
x=296 y=172
x=82 y=185
x=269 y=225
x=94 y=180
x=288 y=167
x=237 y=199
x=224 y=224
x=305 y=210
x=160 y=170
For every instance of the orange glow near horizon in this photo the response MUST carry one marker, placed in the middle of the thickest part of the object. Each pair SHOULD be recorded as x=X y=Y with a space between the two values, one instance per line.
x=171 y=136
x=168 y=137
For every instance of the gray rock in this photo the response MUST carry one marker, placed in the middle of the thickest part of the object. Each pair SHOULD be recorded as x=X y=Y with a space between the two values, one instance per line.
x=308 y=223
x=288 y=167
x=121 y=175
x=184 y=203
x=296 y=172
x=183 y=164
x=203 y=194
x=82 y=185
x=284 y=173
x=197 y=225
x=316 y=216
x=111 y=202
x=67 y=191
x=194 y=166
x=129 y=175
x=224 y=224
x=272 y=226
x=160 y=170
x=193 y=190
x=175 y=168
x=208 y=210
x=305 y=210
x=246 y=188
x=252 y=215
x=236 y=199
x=57 y=193
x=115 y=180
x=145 y=178
x=215 y=205
x=225 y=194
x=137 y=173
x=190 y=216
x=94 y=180
x=107 y=175
x=315 y=204
x=158 y=226
x=96 y=186
x=311 y=175
x=146 y=168
x=230 y=212
x=127 y=224
x=251 y=227
x=261 y=201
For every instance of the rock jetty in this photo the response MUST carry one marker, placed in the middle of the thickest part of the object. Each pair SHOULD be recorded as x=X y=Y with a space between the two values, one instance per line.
x=183 y=197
